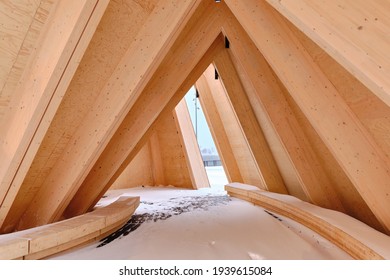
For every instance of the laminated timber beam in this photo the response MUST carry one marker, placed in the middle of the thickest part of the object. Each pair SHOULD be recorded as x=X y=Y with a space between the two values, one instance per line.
x=354 y=32
x=241 y=156
x=271 y=178
x=115 y=100
x=171 y=82
x=41 y=90
x=190 y=146
x=217 y=129
x=267 y=99
x=351 y=145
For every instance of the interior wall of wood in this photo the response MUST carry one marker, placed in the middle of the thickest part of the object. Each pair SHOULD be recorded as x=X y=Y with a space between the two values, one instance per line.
x=138 y=172
x=173 y=159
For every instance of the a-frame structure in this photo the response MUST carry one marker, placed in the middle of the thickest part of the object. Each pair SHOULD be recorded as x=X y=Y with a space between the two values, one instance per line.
x=296 y=94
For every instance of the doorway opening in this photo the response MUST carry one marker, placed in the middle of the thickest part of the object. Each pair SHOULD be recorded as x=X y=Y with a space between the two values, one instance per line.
x=211 y=159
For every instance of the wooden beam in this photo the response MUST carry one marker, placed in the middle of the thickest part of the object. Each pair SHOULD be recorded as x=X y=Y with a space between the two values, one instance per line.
x=117 y=97
x=41 y=88
x=217 y=130
x=352 y=146
x=190 y=146
x=270 y=175
x=243 y=156
x=142 y=120
x=346 y=30
x=268 y=101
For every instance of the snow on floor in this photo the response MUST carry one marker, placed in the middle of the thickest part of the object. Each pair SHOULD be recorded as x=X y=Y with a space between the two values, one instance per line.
x=206 y=224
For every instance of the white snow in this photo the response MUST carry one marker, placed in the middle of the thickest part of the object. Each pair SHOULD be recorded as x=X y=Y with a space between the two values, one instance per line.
x=206 y=224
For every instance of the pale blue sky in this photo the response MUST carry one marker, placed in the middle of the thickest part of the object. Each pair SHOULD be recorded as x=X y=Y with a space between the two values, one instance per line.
x=204 y=136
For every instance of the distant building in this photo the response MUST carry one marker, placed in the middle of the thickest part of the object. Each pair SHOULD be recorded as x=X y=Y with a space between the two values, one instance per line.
x=211 y=160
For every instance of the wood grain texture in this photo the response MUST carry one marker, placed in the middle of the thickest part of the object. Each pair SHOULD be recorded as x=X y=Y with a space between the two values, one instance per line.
x=349 y=142
x=355 y=33
x=258 y=145
x=348 y=243
x=42 y=87
x=217 y=129
x=190 y=146
x=299 y=165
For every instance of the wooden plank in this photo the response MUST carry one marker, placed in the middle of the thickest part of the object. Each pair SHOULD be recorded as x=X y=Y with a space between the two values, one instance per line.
x=217 y=130
x=268 y=102
x=43 y=241
x=352 y=146
x=190 y=146
x=12 y=248
x=117 y=97
x=270 y=175
x=346 y=30
x=42 y=87
x=136 y=128
x=334 y=234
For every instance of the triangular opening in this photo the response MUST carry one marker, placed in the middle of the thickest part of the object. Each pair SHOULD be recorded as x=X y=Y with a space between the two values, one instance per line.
x=211 y=159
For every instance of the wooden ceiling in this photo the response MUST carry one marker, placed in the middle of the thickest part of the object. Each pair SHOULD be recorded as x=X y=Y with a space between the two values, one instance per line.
x=90 y=88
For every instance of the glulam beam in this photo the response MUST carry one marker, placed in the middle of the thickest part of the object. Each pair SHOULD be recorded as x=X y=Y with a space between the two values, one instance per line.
x=351 y=145
x=116 y=98
x=171 y=82
x=41 y=90
x=354 y=32
x=236 y=139
x=190 y=146
x=217 y=130
x=268 y=101
x=270 y=175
